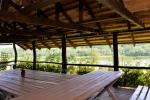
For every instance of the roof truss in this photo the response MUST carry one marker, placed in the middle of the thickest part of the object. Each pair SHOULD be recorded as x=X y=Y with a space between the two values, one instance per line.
x=5 y=16
x=119 y=8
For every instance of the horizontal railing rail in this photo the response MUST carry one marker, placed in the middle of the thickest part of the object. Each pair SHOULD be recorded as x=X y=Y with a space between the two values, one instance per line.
x=2 y=62
x=39 y=62
x=92 y=65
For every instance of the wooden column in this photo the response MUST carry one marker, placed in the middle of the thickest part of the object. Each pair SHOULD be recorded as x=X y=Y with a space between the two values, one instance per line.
x=115 y=52
x=64 y=59
x=15 y=52
x=34 y=55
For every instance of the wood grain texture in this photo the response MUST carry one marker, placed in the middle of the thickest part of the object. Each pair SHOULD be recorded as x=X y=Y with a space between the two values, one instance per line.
x=79 y=88
x=12 y=82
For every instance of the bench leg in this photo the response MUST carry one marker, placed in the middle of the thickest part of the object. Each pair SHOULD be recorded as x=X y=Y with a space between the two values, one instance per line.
x=111 y=94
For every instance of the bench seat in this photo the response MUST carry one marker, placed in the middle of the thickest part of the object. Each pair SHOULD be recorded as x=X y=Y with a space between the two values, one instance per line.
x=141 y=93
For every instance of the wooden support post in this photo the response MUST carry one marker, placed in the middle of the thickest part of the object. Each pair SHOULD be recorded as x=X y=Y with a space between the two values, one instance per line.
x=64 y=58
x=115 y=52
x=15 y=52
x=34 y=55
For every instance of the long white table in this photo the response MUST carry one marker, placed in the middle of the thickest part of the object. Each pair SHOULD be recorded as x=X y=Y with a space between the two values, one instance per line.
x=38 y=85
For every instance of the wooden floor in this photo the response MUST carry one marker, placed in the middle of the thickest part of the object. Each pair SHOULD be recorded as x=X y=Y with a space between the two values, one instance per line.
x=121 y=94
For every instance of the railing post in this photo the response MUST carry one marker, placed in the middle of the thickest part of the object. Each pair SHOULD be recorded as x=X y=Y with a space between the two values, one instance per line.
x=34 y=55
x=15 y=52
x=115 y=51
x=64 y=59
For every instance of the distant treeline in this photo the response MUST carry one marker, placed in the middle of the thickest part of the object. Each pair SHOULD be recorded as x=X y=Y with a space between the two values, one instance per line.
x=125 y=50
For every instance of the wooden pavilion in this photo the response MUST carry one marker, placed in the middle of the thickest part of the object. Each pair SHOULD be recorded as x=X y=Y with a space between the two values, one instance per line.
x=40 y=24
x=49 y=24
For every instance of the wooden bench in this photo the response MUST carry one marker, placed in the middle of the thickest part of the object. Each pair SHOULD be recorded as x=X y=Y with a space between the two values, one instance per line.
x=141 y=93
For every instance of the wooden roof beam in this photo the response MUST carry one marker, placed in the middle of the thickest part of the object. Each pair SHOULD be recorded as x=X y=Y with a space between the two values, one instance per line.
x=8 y=16
x=117 y=6
x=85 y=39
x=16 y=6
x=88 y=42
x=24 y=32
x=59 y=9
x=21 y=46
x=81 y=18
x=100 y=30
x=100 y=19
x=39 y=5
x=56 y=44
x=71 y=43
x=132 y=35
x=80 y=11
x=40 y=13
x=11 y=38
x=4 y=5
x=26 y=45
x=37 y=46
x=23 y=25
x=45 y=44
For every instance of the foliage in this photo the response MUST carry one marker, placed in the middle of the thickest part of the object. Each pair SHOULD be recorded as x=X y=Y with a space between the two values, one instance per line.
x=4 y=57
x=128 y=56
x=2 y=68
x=42 y=67
x=134 y=77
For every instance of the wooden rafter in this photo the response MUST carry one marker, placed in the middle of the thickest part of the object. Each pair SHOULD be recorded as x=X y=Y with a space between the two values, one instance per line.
x=80 y=11
x=23 y=25
x=132 y=35
x=85 y=39
x=71 y=43
x=81 y=19
x=137 y=5
x=15 y=37
x=40 y=13
x=101 y=19
x=39 y=5
x=59 y=9
x=4 y=4
x=45 y=44
x=17 y=7
x=21 y=46
x=88 y=42
x=55 y=42
x=41 y=21
x=117 y=6
x=35 y=44
x=97 y=23
x=26 y=45
x=25 y=32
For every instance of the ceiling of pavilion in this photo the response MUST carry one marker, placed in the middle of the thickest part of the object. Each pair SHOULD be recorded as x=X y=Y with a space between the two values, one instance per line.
x=83 y=22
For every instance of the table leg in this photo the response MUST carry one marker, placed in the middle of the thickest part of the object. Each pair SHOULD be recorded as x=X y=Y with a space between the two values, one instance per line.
x=111 y=94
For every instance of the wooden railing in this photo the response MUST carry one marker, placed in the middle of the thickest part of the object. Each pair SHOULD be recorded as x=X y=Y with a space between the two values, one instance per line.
x=91 y=65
